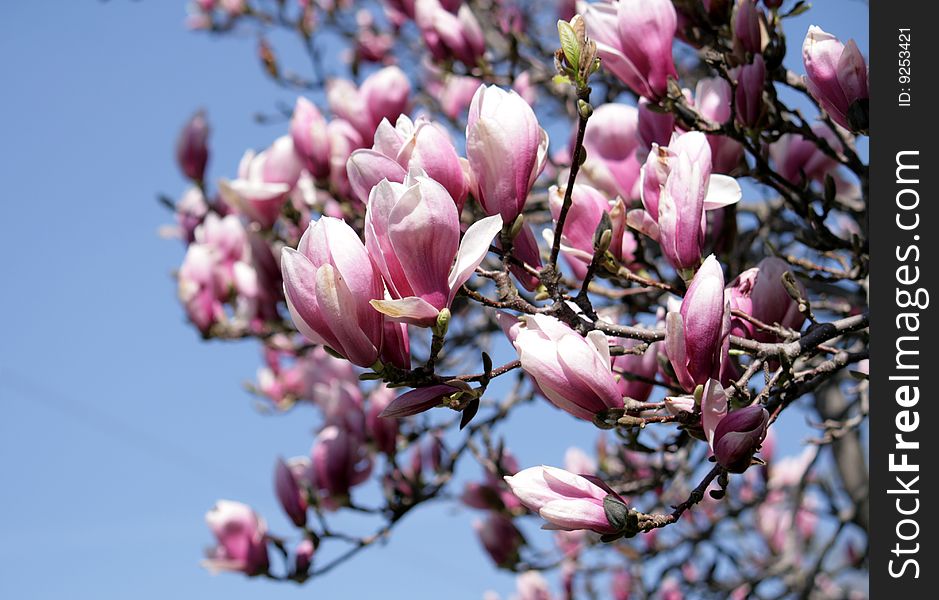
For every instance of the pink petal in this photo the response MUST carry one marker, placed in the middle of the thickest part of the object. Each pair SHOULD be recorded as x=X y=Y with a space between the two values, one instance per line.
x=713 y=408
x=416 y=401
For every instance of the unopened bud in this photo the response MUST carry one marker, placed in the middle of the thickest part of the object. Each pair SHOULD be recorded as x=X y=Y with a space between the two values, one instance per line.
x=738 y=436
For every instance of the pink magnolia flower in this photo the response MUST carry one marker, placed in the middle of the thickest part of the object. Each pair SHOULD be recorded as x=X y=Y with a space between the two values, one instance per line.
x=573 y=372
x=408 y=145
x=776 y=524
x=741 y=592
x=531 y=585
x=678 y=404
x=456 y=94
x=484 y=496
x=577 y=461
x=385 y=94
x=399 y=11
x=241 y=537
x=525 y=249
x=677 y=187
x=303 y=556
x=381 y=431
x=621 y=585
x=583 y=217
x=260 y=304
x=734 y=436
x=291 y=497
x=738 y=436
x=327 y=371
x=190 y=211
x=500 y=538
x=492 y=493
x=790 y=471
x=198 y=21
x=329 y=281
x=524 y=87
x=634 y=41
x=344 y=139
x=836 y=76
x=645 y=365
x=712 y=97
x=506 y=148
x=371 y=44
x=450 y=34
x=570 y=543
x=310 y=138
x=511 y=19
x=234 y=8
x=264 y=181
x=417 y=401
x=219 y=264
x=192 y=150
x=566 y=501
x=339 y=462
x=670 y=590
x=653 y=127
x=285 y=385
x=567 y=9
x=697 y=336
x=198 y=288
x=759 y=292
x=749 y=95
x=342 y=403
x=748 y=27
x=799 y=159
x=611 y=142
x=412 y=231
x=227 y=239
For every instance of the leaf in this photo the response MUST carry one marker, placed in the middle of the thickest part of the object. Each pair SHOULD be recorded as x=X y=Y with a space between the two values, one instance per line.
x=469 y=412
x=569 y=43
x=800 y=7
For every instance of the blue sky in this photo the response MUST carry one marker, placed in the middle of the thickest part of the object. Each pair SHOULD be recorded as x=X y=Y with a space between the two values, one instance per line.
x=119 y=427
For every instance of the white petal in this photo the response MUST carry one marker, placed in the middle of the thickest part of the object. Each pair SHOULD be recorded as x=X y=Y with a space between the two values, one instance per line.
x=722 y=191
x=411 y=310
x=473 y=250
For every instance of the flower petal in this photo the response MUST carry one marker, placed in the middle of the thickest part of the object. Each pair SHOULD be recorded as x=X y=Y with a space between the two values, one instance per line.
x=411 y=310
x=416 y=401
x=473 y=250
x=713 y=408
x=722 y=191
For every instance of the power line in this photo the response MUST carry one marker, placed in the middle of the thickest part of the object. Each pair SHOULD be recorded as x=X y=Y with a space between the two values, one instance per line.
x=125 y=433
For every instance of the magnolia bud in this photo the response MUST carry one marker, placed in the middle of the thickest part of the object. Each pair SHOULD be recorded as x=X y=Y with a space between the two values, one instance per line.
x=289 y=493
x=738 y=436
x=501 y=539
x=192 y=151
x=836 y=76
x=303 y=557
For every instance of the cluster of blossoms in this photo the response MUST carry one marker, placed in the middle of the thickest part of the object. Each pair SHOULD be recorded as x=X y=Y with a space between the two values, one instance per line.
x=403 y=226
